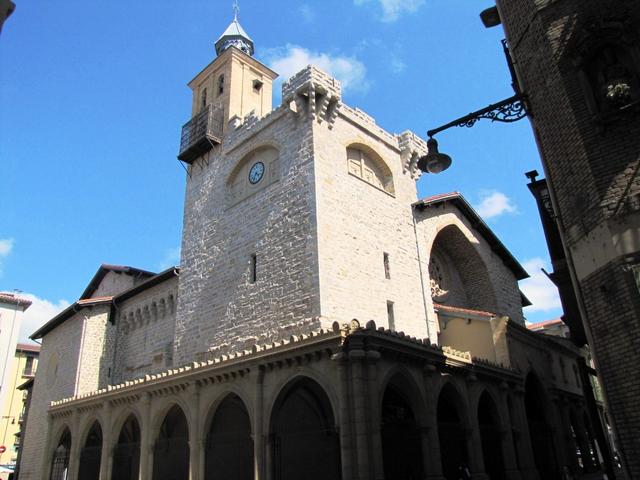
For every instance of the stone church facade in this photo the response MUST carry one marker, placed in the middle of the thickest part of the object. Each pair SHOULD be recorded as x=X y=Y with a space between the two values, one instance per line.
x=324 y=322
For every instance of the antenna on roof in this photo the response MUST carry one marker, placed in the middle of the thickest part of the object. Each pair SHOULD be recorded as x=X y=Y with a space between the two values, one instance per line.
x=236 y=9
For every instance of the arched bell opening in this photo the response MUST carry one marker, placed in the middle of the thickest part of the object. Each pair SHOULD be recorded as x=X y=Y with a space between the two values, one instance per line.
x=491 y=438
x=544 y=452
x=452 y=434
x=229 y=447
x=303 y=434
x=171 y=450
x=126 y=455
x=60 y=460
x=401 y=441
x=91 y=454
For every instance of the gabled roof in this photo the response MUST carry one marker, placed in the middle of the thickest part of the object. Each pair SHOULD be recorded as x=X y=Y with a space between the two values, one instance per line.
x=457 y=200
x=13 y=299
x=91 y=302
x=106 y=268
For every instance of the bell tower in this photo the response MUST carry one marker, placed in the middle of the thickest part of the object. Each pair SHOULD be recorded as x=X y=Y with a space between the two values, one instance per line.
x=234 y=85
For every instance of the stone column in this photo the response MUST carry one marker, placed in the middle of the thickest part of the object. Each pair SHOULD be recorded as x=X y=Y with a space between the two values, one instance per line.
x=554 y=419
x=374 y=414
x=585 y=445
x=76 y=448
x=474 y=439
x=565 y=421
x=430 y=434
x=106 y=460
x=507 y=439
x=259 y=463
x=520 y=429
x=195 y=436
x=346 y=443
x=146 y=440
x=358 y=382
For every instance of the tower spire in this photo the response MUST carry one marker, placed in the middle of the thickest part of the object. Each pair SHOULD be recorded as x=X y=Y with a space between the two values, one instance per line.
x=234 y=35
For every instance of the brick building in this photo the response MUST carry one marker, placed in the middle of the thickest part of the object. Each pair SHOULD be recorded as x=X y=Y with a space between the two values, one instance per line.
x=324 y=322
x=578 y=61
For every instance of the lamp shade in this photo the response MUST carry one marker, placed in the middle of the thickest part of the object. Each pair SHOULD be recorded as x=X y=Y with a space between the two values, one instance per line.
x=434 y=161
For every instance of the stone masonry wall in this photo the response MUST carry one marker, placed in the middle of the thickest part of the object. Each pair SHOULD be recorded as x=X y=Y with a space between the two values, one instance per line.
x=358 y=223
x=145 y=329
x=591 y=164
x=219 y=307
x=55 y=379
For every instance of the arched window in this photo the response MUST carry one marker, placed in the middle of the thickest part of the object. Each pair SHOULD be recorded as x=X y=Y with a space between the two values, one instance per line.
x=491 y=438
x=257 y=170
x=229 y=447
x=60 y=461
x=171 y=452
x=368 y=166
x=303 y=434
x=126 y=455
x=451 y=432
x=91 y=454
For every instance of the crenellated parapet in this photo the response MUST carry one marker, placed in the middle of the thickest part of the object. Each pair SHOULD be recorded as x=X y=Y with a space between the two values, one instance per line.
x=315 y=94
x=412 y=147
x=138 y=316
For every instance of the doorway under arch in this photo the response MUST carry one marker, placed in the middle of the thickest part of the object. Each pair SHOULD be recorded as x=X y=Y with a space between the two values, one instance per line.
x=91 y=454
x=544 y=452
x=489 y=423
x=451 y=432
x=60 y=461
x=229 y=447
x=126 y=455
x=401 y=442
x=171 y=451
x=303 y=434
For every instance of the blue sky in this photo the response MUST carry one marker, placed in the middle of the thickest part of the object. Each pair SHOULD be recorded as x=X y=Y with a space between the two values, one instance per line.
x=93 y=96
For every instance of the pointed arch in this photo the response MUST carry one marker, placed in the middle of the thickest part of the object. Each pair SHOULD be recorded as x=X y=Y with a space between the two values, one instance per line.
x=303 y=433
x=401 y=411
x=458 y=275
x=91 y=453
x=171 y=449
x=536 y=407
x=126 y=454
x=229 y=445
x=452 y=431
x=490 y=426
x=61 y=453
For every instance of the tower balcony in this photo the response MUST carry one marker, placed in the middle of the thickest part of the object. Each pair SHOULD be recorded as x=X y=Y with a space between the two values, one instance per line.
x=201 y=133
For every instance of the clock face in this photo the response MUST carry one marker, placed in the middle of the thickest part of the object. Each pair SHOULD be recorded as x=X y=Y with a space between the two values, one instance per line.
x=256 y=173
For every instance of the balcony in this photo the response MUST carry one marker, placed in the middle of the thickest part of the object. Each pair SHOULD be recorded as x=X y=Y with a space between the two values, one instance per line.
x=201 y=133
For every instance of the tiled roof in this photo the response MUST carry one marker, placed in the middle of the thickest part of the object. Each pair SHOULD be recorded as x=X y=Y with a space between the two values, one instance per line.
x=13 y=299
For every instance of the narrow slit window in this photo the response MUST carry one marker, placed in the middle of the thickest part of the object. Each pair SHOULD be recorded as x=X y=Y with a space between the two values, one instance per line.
x=203 y=103
x=220 y=85
x=254 y=271
x=385 y=260
x=391 y=315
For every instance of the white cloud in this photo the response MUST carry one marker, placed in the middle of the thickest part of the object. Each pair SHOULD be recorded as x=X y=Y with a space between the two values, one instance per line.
x=6 y=245
x=39 y=313
x=493 y=204
x=307 y=13
x=393 y=9
x=171 y=258
x=538 y=288
x=291 y=59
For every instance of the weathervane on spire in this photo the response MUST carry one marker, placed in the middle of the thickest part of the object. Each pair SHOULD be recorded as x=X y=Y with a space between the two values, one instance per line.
x=236 y=9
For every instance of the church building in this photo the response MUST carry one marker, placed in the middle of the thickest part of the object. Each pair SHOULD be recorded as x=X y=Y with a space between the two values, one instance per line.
x=324 y=323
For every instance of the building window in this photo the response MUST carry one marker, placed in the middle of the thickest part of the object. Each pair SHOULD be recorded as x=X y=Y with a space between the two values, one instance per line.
x=257 y=86
x=391 y=315
x=203 y=99
x=385 y=260
x=29 y=370
x=220 y=84
x=253 y=268
x=370 y=168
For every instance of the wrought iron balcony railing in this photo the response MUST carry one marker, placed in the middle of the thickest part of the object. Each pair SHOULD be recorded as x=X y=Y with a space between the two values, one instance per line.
x=201 y=133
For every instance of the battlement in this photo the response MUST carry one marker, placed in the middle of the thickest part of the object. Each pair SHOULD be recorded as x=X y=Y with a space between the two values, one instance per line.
x=311 y=76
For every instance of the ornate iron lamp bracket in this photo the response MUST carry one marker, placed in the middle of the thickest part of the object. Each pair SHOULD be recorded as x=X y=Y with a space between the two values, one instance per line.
x=509 y=110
